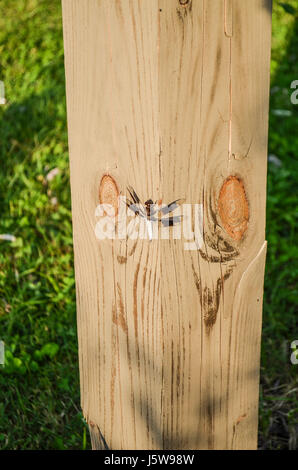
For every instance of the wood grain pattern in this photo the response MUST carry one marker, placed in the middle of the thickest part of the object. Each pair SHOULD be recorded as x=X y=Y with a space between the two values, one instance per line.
x=170 y=97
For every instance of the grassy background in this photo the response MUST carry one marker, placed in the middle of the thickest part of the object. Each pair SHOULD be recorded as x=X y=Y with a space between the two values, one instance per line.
x=39 y=386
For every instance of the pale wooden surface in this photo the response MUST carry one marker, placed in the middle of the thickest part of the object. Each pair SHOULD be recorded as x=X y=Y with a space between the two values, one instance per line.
x=172 y=100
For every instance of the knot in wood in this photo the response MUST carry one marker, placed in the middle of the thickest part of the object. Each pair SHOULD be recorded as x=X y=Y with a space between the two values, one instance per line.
x=108 y=192
x=184 y=3
x=233 y=207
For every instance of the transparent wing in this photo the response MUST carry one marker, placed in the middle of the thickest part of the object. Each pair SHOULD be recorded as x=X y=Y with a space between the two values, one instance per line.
x=133 y=195
x=170 y=207
x=170 y=221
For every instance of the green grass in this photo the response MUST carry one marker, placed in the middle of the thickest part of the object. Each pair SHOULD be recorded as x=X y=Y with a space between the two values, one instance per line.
x=279 y=384
x=39 y=387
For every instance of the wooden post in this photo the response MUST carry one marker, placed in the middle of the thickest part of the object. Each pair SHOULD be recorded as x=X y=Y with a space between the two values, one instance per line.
x=169 y=97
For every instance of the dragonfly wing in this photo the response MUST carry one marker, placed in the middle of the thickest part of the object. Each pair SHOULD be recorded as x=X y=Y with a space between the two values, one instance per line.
x=170 y=207
x=129 y=203
x=170 y=221
x=153 y=210
x=133 y=207
x=137 y=209
x=133 y=195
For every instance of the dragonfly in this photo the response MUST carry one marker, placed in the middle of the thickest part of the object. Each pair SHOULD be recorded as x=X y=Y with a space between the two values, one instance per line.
x=153 y=212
